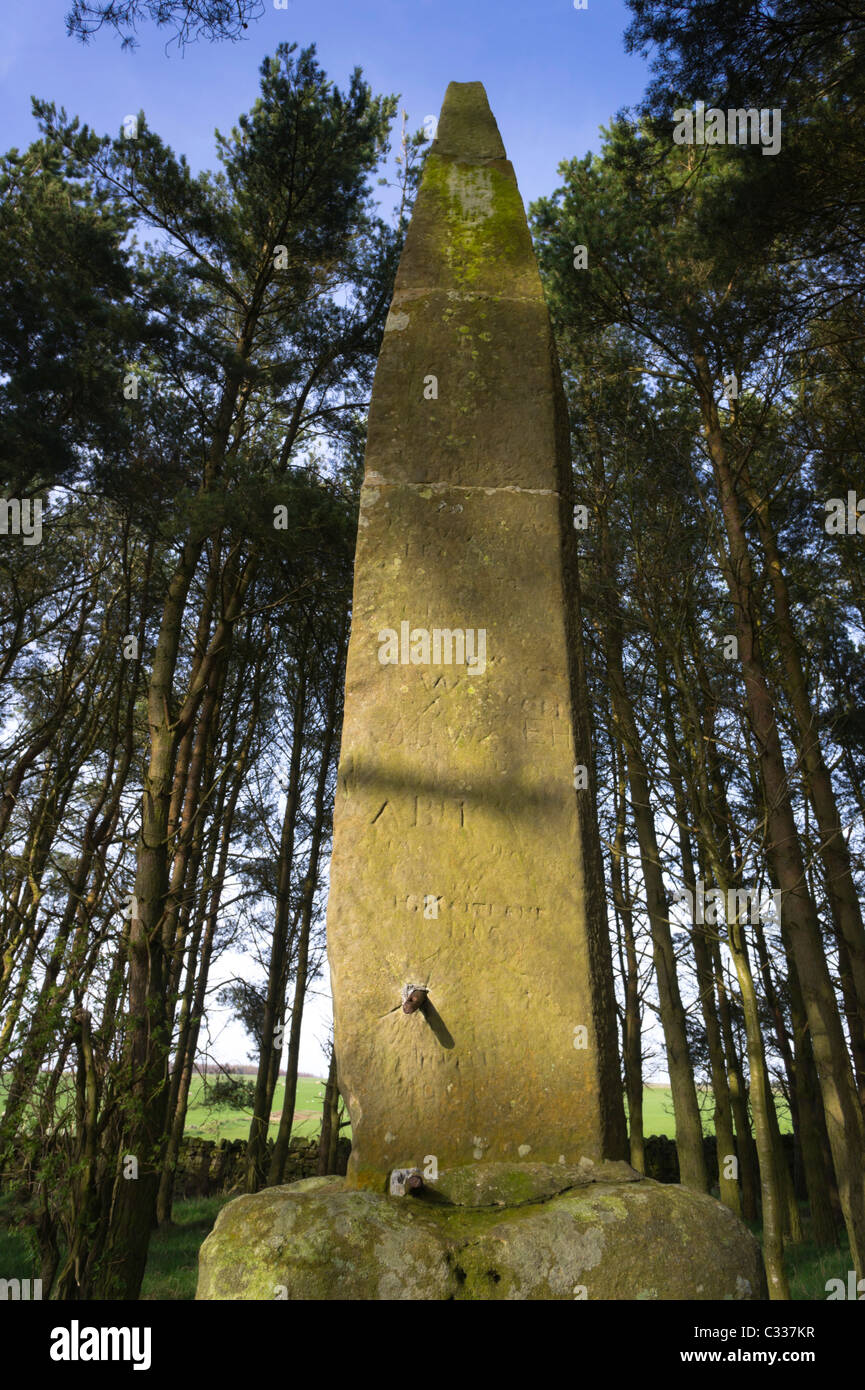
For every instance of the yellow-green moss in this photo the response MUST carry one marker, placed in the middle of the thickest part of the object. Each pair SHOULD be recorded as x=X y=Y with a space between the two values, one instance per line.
x=474 y=243
x=622 y=1240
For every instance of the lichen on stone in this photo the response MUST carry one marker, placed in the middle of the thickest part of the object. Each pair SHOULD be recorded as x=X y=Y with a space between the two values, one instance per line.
x=617 y=1240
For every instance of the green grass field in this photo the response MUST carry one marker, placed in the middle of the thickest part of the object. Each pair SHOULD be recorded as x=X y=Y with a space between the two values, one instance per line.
x=219 y=1123
x=207 y=1123
x=658 y=1112
x=234 y=1124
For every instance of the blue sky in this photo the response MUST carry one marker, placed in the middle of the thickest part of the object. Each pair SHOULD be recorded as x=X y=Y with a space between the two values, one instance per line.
x=553 y=75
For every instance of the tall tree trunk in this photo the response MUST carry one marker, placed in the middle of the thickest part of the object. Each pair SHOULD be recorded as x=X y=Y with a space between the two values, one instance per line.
x=728 y=1183
x=833 y=851
x=762 y=1102
x=198 y=968
x=274 y=1008
x=84 y=1185
x=326 y=1117
x=689 y=1130
x=632 y=1050
x=310 y=884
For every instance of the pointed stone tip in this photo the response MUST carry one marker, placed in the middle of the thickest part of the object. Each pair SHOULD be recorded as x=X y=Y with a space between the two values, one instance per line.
x=467 y=127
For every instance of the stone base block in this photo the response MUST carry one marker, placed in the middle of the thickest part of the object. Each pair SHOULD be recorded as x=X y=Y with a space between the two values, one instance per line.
x=490 y=1231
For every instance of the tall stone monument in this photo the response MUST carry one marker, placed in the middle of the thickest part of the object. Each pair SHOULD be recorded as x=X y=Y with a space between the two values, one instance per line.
x=465 y=859
x=467 y=932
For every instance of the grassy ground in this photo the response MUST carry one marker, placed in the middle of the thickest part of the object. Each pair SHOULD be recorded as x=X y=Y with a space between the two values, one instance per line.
x=810 y=1266
x=14 y=1249
x=172 y=1262
x=219 y=1124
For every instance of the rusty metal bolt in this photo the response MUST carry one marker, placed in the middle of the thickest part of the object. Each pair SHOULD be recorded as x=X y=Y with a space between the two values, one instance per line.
x=403 y=1181
x=413 y=998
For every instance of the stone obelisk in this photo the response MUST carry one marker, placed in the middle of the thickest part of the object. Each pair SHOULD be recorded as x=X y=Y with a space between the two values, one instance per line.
x=465 y=850
x=467 y=932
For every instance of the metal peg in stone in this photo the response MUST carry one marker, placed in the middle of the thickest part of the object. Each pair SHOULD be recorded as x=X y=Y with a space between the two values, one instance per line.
x=405 y=1181
x=413 y=997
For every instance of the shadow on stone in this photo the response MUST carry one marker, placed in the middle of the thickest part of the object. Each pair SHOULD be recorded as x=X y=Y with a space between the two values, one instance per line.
x=437 y=1024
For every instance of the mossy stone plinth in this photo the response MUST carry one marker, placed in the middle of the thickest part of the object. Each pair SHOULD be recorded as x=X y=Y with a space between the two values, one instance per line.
x=515 y=1184
x=600 y=1238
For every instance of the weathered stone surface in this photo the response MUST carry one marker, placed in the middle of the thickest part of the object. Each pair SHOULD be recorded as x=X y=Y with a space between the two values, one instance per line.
x=598 y=1240
x=474 y=345
x=467 y=126
x=607 y=1241
x=465 y=859
x=315 y=1240
x=512 y=1185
